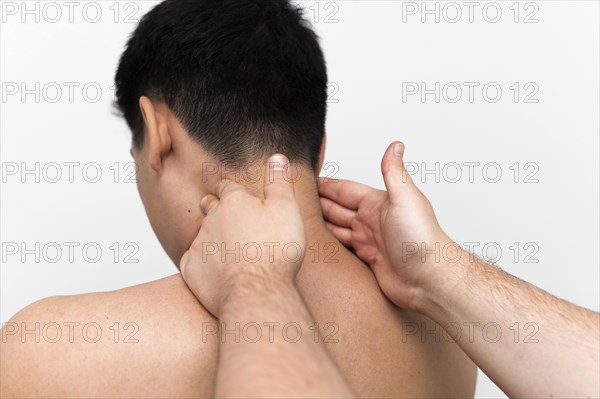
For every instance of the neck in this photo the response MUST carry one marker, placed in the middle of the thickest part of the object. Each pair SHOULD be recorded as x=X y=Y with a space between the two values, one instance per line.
x=305 y=189
x=320 y=242
x=321 y=245
x=307 y=197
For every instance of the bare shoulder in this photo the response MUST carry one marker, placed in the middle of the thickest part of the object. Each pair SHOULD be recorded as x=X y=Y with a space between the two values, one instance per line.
x=128 y=342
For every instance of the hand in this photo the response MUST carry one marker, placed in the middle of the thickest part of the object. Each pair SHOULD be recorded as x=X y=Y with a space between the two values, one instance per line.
x=391 y=231
x=245 y=240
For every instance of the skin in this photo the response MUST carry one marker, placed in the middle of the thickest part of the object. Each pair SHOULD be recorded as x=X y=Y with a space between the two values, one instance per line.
x=458 y=289
x=259 y=290
x=176 y=353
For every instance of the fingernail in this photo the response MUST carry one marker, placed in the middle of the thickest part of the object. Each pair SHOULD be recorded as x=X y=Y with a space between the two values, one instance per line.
x=278 y=162
x=398 y=149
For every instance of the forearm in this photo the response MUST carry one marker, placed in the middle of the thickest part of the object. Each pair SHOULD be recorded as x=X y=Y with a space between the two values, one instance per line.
x=269 y=360
x=530 y=343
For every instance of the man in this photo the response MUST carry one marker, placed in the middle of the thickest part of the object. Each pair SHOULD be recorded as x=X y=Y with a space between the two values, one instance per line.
x=210 y=89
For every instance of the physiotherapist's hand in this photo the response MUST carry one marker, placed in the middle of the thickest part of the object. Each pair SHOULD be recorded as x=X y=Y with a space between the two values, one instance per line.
x=245 y=241
x=391 y=231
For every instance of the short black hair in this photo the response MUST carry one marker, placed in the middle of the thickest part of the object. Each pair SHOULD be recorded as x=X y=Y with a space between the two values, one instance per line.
x=246 y=78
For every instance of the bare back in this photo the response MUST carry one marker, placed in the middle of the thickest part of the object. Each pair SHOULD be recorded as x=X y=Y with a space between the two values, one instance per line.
x=156 y=340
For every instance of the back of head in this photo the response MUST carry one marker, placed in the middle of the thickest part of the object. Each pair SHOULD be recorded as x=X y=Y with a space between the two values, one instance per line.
x=246 y=78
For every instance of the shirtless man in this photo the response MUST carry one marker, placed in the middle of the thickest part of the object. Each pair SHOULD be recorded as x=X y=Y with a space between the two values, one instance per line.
x=210 y=89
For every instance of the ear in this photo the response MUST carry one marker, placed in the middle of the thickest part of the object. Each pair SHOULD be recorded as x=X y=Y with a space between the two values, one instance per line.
x=322 y=153
x=159 y=137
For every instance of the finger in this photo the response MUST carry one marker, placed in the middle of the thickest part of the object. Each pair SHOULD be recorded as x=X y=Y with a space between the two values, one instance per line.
x=345 y=192
x=343 y=234
x=227 y=187
x=395 y=176
x=208 y=203
x=276 y=182
x=337 y=214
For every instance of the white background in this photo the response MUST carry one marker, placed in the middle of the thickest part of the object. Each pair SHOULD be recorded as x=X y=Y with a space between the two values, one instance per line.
x=374 y=50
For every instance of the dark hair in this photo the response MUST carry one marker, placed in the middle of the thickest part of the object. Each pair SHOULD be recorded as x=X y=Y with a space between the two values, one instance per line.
x=246 y=78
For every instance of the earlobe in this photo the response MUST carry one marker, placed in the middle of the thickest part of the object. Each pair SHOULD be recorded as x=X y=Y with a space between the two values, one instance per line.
x=159 y=141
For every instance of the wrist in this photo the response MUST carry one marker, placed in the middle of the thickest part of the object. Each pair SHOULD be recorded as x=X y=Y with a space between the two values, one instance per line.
x=260 y=276
x=255 y=288
x=443 y=280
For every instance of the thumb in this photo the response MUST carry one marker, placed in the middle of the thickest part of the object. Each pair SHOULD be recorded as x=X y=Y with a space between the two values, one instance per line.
x=276 y=182
x=396 y=178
